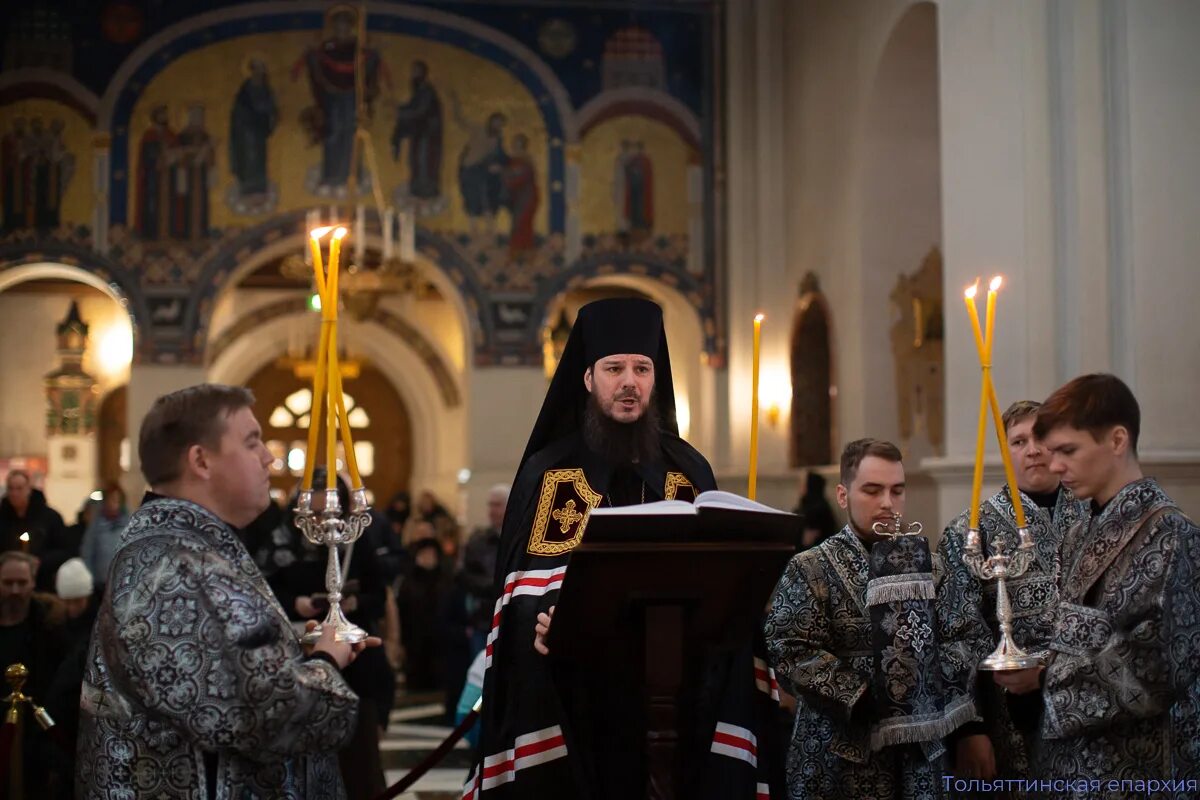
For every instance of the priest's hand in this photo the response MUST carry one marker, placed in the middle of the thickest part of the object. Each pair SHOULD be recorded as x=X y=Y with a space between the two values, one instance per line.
x=343 y=653
x=1019 y=681
x=540 y=630
x=975 y=758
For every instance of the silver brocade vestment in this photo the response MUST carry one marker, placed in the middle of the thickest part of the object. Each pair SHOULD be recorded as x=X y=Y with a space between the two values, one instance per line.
x=192 y=656
x=1122 y=689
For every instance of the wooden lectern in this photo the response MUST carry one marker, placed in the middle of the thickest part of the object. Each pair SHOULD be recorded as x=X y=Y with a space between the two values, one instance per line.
x=663 y=588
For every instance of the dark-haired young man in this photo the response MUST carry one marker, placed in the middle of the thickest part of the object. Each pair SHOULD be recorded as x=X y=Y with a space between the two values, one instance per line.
x=997 y=745
x=1120 y=694
x=858 y=655
x=195 y=684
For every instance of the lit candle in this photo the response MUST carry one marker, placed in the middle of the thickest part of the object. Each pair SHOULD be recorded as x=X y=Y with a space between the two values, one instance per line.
x=754 y=408
x=334 y=396
x=318 y=396
x=1005 y=457
x=24 y=537
x=981 y=435
x=314 y=245
x=320 y=376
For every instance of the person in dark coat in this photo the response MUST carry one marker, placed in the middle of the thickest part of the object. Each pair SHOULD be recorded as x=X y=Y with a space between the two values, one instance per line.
x=817 y=520
x=421 y=601
x=24 y=510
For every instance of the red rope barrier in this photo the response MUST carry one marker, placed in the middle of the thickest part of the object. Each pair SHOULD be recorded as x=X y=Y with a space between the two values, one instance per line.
x=430 y=760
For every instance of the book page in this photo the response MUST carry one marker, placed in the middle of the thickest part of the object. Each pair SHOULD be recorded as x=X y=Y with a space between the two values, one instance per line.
x=659 y=508
x=733 y=502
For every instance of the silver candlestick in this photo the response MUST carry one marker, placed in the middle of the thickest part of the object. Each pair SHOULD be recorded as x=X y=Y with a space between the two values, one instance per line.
x=331 y=530
x=1002 y=565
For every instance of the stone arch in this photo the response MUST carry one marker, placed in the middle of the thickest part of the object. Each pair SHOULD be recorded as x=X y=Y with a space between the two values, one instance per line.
x=51 y=85
x=642 y=102
x=442 y=375
x=27 y=262
x=439 y=438
x=285 y=233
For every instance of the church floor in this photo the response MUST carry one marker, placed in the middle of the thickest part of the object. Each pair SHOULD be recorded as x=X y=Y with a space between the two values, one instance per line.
x=415 y=728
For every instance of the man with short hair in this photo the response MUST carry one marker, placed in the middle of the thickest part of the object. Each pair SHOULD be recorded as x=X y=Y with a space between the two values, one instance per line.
x=838 y=632
x=24 y=510
x=997 y=744
x=196 y=685
x=1120 y=698
x=606 y=435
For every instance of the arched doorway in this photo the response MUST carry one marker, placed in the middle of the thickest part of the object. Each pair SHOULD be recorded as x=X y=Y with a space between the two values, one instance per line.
x=40 y=304
x=380 y=422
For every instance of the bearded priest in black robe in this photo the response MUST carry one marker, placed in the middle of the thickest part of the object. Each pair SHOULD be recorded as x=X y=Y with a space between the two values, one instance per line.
x=606 y=435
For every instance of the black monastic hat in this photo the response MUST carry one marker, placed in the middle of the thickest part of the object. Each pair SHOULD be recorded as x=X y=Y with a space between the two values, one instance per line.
x=604 y=328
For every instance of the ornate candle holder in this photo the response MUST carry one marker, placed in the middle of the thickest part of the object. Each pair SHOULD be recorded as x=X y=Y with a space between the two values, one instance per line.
x=328 y=528
x=1000 y=566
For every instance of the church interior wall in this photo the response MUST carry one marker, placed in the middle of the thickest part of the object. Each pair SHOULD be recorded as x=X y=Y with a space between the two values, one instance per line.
x=27 y=323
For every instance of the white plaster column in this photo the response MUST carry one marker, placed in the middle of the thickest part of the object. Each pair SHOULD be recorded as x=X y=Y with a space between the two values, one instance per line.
x=757 y=264
x=504 y=403
x=995 y=195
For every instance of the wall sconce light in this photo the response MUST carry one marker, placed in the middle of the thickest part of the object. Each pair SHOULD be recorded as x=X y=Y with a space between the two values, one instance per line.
x=776 y=393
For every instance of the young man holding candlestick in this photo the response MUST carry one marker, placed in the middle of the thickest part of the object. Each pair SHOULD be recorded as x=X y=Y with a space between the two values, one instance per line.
x=998 y=744
x=1120 y=692
x=852 y=634
x=195 y=684
x=606 y=435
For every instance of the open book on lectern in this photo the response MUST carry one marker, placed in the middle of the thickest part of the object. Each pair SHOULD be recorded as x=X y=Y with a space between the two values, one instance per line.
x=712 y=515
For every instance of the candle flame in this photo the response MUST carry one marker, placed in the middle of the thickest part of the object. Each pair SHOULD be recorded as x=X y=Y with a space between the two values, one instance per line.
x=972 y=290
x=995 y=284
x=24 y=537
x=319 y=233
x=759 y=317
x=340 y=233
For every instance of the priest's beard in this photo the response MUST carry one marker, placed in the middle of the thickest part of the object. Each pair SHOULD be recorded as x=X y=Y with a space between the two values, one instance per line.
x=621 y=443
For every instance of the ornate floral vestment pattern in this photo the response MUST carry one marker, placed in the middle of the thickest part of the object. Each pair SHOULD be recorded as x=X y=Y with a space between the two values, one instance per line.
x=967 y=606
x=1121 y=697
x=192 y=655
x=818 y=637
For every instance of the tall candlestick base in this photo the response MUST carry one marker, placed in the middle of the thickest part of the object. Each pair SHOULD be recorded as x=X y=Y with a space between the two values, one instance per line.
x=1000 y=566
x=328 y=528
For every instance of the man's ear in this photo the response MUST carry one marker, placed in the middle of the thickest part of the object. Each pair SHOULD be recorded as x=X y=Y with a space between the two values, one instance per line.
x=195 y=460
x=843 y=496
x=587 y=379
x=1119 y=439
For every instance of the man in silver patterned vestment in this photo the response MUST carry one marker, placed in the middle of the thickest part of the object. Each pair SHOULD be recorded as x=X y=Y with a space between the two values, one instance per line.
x=1120 y=694
x=196 y=686
x=998 y=744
